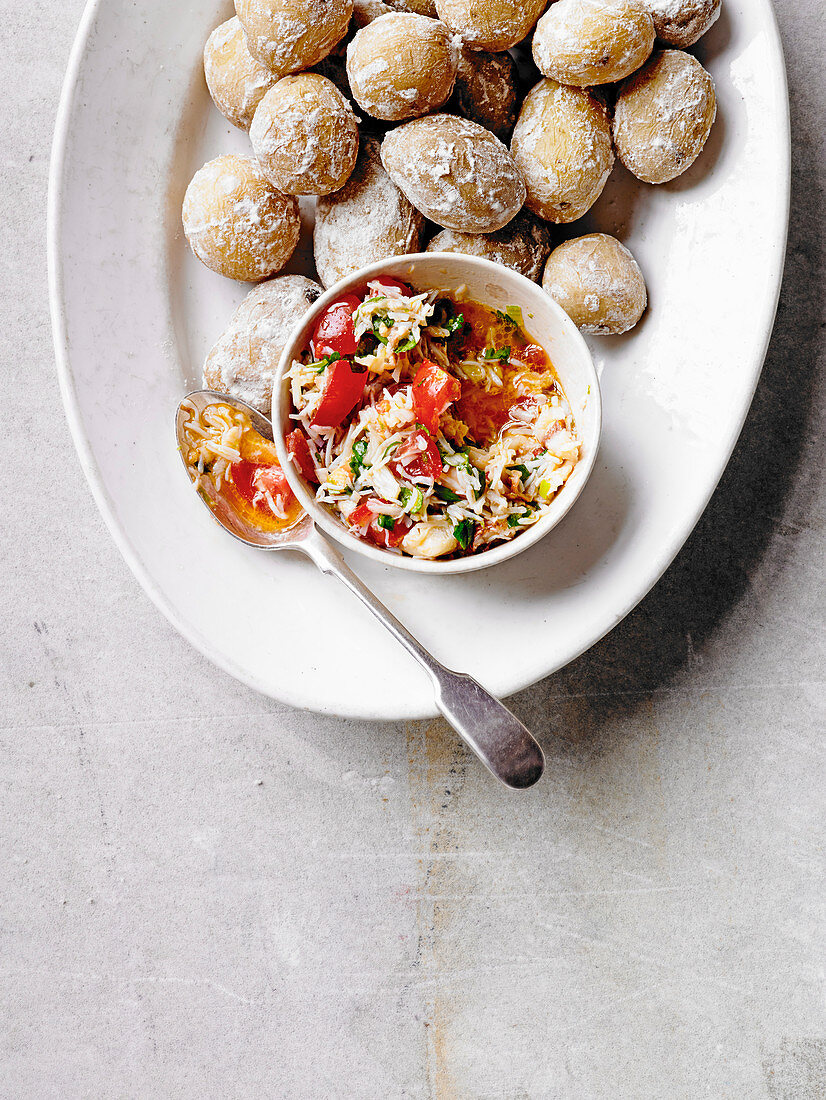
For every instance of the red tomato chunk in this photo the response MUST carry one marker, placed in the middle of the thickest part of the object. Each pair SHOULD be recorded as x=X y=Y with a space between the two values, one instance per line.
x=433 y=390
x=334 y=333
x=343 y=388
x=299 y=451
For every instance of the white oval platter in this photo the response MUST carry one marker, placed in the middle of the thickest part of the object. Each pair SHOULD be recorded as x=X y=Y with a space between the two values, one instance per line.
x=134 y=314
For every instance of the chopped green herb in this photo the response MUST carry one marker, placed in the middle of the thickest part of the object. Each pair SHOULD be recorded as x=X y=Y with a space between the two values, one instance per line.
x=502 y=354
x=463 y=532
x=387 y=523
x=515 y=520
x=522 y=470
x=454 y=324
x=357 y=458
x=320 y=365
x=377 y=322
x=445 y=494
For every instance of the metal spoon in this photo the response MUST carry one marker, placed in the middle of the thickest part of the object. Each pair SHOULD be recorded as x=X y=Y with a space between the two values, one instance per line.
x=499 y=739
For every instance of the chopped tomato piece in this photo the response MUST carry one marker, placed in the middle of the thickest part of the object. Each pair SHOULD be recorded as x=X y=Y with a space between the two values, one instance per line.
x=299 y=451
x=423 y=462
x=534 y=356
x=252 y=478
x=433 y=390
x=342 y=390
x=387 y=282
x=334 y=333
x=366 y=520
x=361 y=516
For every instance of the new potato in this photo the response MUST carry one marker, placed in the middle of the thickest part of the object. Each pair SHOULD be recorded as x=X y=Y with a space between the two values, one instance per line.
x=367 y=220
x=598 y=283
x=236 y=222
x=236 y=81
x=562 y=145
x=587 y=42
x=494 y=25
x=455 y=172
x=402 y=65
x=663 y=116
x=289 y=35
x=305 y=135
x=523 y=244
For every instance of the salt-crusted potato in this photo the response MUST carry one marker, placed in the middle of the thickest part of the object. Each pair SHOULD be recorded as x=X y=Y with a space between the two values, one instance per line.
x=682 y=22
x=523 y=244
x=485 y=90
x=494 y=25
x=289 y=35
x=562 y=146
x=244 y=360
x=401 y=66
x=236 y=81
x=663 y=116
x=368 y=219
x=587 y=42
x=598 y=283
x=455 y=172
x=365 y=11
x=305 y=136
x=236 y=222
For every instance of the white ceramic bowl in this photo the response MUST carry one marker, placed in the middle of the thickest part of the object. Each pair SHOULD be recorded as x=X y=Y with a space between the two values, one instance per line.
x=546 y=323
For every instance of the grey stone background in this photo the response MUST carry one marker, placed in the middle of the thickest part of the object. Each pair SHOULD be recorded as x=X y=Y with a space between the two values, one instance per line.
x=205 y=894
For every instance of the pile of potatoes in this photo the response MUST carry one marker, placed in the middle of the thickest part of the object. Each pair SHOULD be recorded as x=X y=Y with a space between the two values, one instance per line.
x=414 y=126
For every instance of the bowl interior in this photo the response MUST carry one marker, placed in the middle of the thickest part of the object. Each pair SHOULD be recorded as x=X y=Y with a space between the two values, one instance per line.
x=495 y=286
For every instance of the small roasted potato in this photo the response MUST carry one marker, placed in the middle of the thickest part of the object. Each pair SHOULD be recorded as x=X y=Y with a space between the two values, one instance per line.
x=455 y=172
x=522 y=245
x=365 y=11
x=290 y=35
x=305 y=135
x=562 y=146
x=368 y=219
x=495 y=25
x=587 y=42
x=236 y=222
x=402 y=65
x=244 y=360
x=598 y=283
x=663 y=116
x=236 y=81
x=682 y=22
x=486 y=91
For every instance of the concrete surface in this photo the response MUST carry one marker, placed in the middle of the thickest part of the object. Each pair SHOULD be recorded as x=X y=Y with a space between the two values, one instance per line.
x=205 y=894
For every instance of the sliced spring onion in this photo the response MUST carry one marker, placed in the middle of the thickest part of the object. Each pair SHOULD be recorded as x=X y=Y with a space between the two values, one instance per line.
x=411 y=500
x=357 y=458
x=387 y=523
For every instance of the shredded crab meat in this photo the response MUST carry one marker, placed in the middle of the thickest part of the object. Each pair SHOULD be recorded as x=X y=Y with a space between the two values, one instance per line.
x=487 y=490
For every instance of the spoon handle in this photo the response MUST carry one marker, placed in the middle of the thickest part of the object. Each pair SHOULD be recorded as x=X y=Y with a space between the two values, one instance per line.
x=497 y=737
